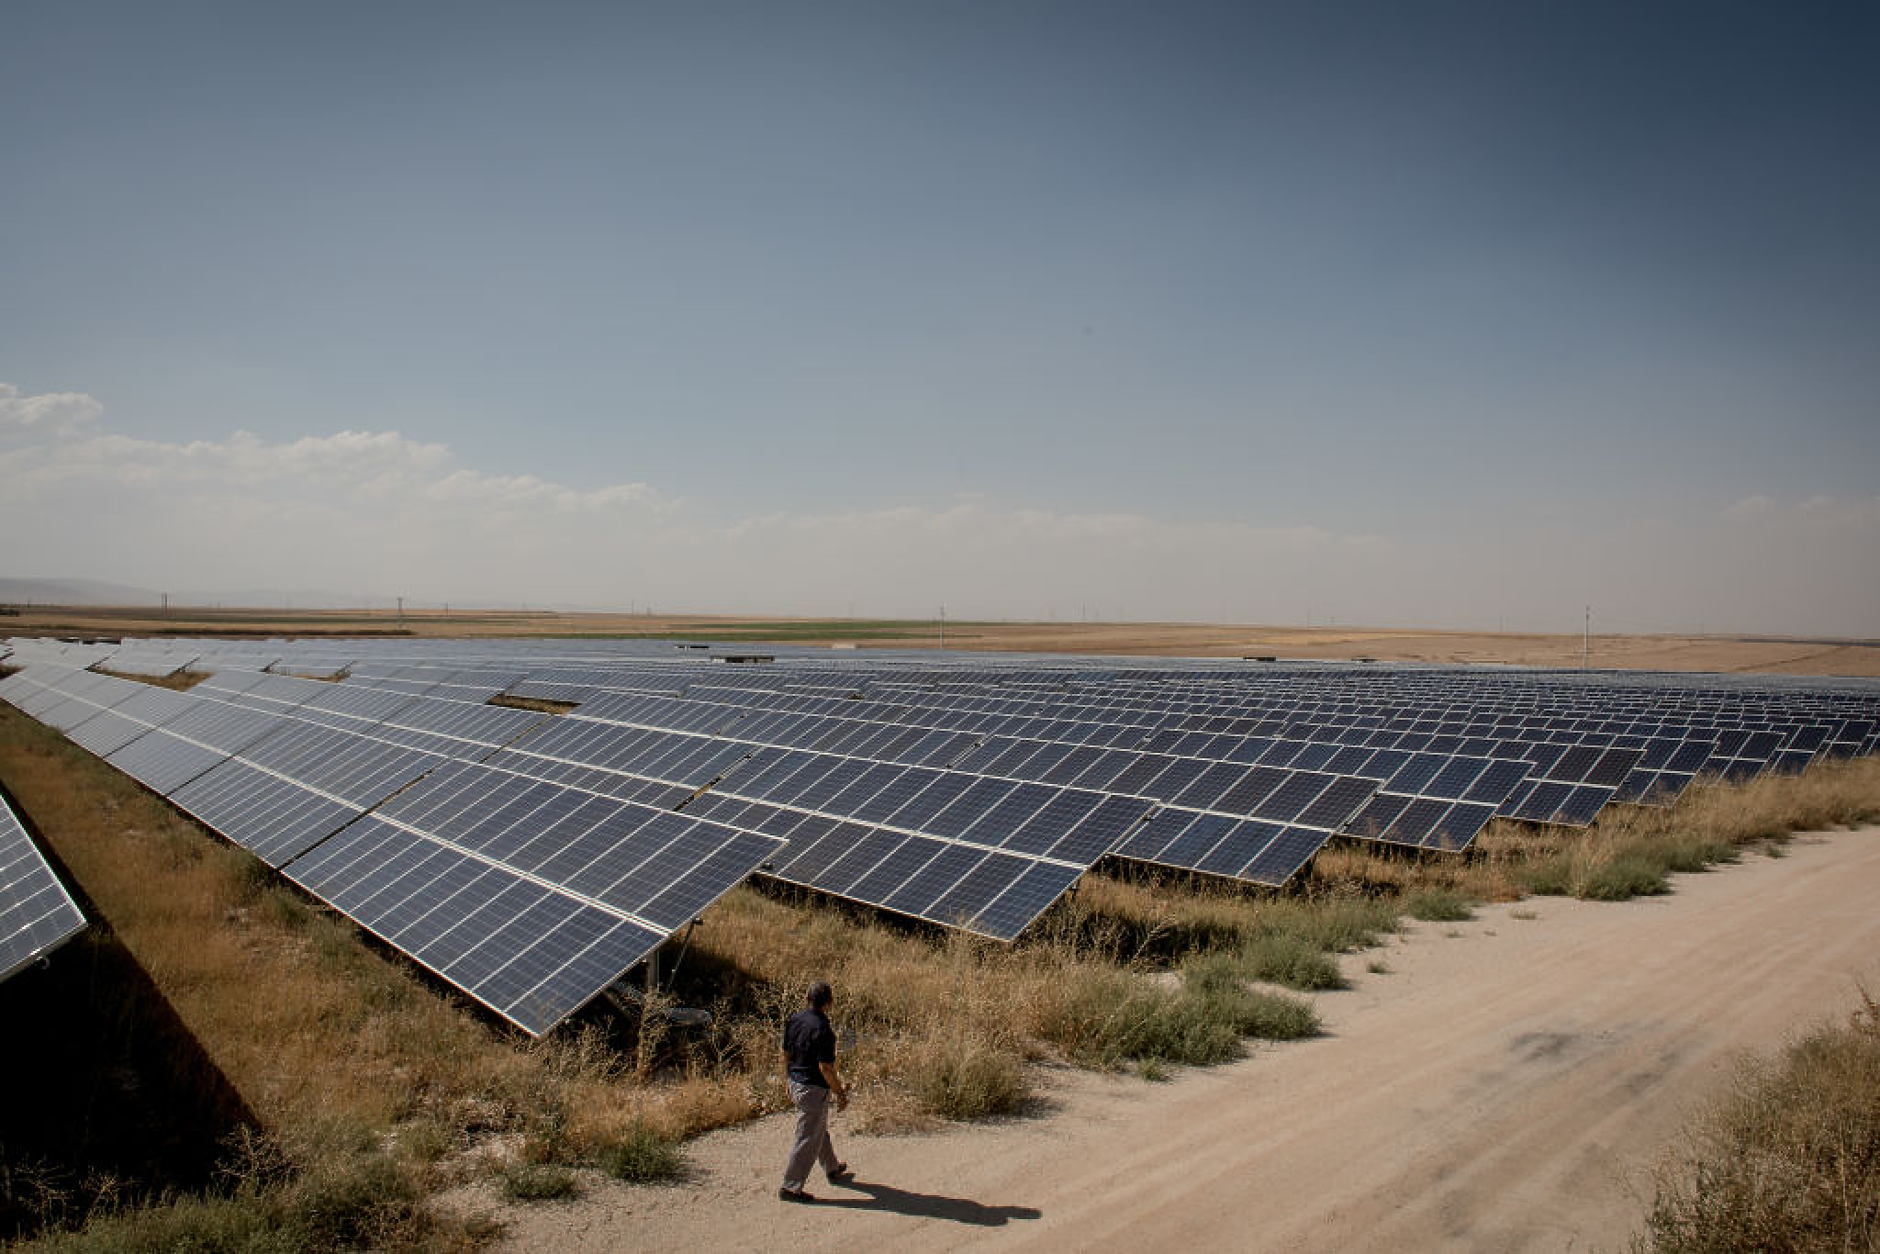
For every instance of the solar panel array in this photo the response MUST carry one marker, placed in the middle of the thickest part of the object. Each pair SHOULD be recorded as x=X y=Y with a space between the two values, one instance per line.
x=971 y=792
x=321 y=781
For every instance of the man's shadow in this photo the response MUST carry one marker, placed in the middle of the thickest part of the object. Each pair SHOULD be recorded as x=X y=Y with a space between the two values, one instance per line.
x=961 y=1210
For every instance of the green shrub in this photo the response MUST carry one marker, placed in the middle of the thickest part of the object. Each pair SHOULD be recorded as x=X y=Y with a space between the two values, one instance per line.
x=643 y=1156
x=537 y=1182
x=964 y=1079
x=1215 y=987
x=1438 y=905
x=1696 y=853
x=1106 y=1018
x=1285 y=958
x=1333 y=924
x=1626 y=876
x=1547 y=877
x=351 y=1201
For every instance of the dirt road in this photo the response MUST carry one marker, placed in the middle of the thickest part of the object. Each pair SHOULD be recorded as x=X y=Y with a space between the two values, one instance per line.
x=1507 y=1084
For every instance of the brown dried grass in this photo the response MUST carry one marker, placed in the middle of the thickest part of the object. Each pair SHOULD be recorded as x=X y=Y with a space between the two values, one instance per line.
x=1787 y=1157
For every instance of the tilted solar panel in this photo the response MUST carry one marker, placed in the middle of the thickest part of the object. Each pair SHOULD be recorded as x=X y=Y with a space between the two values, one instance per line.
x=529 y=895
x=37 y=914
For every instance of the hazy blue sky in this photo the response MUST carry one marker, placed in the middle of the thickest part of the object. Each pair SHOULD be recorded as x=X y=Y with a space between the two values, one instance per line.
x=1402 y=313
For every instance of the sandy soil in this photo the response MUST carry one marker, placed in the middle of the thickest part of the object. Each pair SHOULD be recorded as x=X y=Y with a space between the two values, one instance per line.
x=1507 y=1084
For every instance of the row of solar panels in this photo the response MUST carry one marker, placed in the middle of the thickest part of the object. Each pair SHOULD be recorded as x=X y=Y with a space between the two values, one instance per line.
x=1668 y=760
x=533 y=929
x=1567 y=781
x=693 y=764
x=918 y=801
x=966 y=811
x=1166 y=690
x=281 y=765
x=259 y=759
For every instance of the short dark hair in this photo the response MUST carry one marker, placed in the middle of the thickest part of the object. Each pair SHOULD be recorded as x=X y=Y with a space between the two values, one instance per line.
x=820 y=994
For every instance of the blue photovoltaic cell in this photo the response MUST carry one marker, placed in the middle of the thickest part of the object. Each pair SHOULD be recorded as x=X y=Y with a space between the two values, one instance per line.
x=472 y=849
x=37 y=915
x=530 y=953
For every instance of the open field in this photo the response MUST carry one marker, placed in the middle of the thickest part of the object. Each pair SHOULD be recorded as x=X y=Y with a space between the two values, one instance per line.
x=1507 y=1083
x=1628 y=652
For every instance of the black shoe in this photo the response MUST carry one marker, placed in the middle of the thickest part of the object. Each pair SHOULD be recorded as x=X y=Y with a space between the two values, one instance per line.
x=795 y=1195
x=840 y=1174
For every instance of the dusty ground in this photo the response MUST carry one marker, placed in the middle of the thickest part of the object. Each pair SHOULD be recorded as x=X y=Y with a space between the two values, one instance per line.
x=1507 y=1084
x=1661 y=652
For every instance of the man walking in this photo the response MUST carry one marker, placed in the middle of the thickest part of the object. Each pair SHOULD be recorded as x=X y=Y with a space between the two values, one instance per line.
x=809 y=1053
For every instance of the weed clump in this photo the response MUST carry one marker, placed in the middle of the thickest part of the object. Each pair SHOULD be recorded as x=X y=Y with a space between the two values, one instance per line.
x=1111 y=1018
x=1789 y=1158
x=967 y=1079
x=643 y=1156
x=1438 y=905
x=1633 y=873
x=1289 y=959
x=537 y=1182
x=349 y=1201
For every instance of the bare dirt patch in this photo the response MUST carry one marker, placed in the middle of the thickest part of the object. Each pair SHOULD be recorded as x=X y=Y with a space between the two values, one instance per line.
x=1506 y=1083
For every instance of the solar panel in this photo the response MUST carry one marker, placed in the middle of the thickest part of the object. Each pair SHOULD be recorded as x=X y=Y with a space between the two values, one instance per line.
x=165 y=758
x=37 y=914
x=528 y=895
x=297 y=785
x=110 y=730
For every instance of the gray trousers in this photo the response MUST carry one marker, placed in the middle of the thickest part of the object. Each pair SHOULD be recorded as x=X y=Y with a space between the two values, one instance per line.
x=812 y=1142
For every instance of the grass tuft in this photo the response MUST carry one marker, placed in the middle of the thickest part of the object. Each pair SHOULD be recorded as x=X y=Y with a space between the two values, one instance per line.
x=965 y=1079
x=1438 y=905
x=1630 y=874
x=537 y=1182
x=1289 y=959
x=643 y=1156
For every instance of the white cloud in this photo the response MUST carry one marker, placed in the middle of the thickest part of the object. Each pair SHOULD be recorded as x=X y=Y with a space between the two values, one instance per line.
x=1756 y=506
x=1861 y=513
x=47 y=413
x=1816 y=513
x=526 y=492
x=361 y=464
x=378 y=512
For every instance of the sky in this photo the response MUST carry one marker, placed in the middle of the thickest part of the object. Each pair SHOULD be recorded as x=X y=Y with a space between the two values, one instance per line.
x=1452 y=315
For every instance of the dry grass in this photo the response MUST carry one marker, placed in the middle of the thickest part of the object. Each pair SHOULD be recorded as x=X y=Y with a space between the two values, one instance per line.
x=182 y=681
x=532 y=703
x=1788 y=1157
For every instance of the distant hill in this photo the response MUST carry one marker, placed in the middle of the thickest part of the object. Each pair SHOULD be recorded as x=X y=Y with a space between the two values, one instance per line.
x=284 y=598
x=47 y=591
x=73 y=592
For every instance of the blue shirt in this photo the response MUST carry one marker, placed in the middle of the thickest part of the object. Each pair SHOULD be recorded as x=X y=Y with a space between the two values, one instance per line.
x=808 y=1040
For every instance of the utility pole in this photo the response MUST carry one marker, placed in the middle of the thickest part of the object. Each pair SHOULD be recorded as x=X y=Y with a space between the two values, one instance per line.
x=166 y=605
x=1586 y=642
x=401 y=611
x=943 y=628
